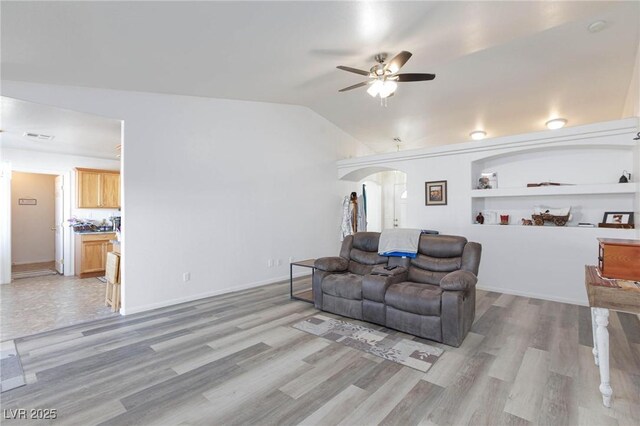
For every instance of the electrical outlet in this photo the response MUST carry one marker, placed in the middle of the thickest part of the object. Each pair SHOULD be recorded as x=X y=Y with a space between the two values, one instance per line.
x=186 y=276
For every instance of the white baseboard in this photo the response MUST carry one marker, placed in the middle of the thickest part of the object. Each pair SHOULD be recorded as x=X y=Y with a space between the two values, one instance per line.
x=533 y=295
x=137 y=309
x=32 y=261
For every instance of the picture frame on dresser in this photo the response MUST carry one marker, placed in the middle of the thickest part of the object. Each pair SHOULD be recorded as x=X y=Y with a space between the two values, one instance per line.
x=435 y=193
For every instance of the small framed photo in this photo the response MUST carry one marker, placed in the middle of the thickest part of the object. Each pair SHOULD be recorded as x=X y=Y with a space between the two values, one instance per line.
x=436 y=193
x=618 y=218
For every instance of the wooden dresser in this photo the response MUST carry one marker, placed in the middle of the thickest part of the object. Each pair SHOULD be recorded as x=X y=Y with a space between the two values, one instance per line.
x=619 y=259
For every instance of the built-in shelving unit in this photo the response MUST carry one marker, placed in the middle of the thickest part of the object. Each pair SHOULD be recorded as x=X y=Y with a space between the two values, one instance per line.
x=588 y=176
x=588 y=189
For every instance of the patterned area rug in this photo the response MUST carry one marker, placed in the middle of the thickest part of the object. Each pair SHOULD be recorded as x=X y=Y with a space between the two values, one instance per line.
x=416 y=355
x=11 y=373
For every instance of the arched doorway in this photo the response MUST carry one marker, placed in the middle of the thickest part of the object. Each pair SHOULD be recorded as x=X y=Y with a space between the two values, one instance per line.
x=386 y=194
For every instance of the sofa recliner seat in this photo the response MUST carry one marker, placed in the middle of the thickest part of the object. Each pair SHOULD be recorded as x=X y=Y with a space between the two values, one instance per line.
x=431 y=296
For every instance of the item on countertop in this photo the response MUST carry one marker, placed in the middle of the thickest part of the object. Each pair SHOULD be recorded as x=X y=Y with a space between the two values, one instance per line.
x=504 y=219
x=625 y=178
x=480 y=218
x=488 y=180
x=527 y=222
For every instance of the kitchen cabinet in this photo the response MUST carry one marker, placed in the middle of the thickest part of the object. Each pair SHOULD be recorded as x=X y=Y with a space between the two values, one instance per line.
x=98 y=189
x=91 y=253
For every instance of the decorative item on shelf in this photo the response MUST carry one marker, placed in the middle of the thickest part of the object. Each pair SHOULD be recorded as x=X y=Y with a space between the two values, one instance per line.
x=527 y=222
x=488 y=180
x=480 y=218
x=504 y=219
x=490 y=217
x=623 y=220
x=436 y=193
x=558 y=217
x=625 y=178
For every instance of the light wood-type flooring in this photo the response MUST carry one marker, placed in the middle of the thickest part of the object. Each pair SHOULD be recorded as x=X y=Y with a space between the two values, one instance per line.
x=235 y=359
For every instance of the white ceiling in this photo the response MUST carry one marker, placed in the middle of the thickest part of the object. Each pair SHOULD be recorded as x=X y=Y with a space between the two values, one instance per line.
x=74 y=132
x=505 y=67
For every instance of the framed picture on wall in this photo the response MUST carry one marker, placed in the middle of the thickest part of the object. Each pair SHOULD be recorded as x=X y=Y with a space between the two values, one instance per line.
x=436 y=193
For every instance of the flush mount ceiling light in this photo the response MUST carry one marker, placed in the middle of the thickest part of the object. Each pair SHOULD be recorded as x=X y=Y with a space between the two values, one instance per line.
x=477 y=135
x=556 y=123
x=597 y=26
x=38 y=136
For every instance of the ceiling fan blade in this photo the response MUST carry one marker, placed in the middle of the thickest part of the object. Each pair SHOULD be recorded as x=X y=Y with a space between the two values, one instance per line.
x=355 y=86
x=414 y=77
x=398 y=61
x=355 y=70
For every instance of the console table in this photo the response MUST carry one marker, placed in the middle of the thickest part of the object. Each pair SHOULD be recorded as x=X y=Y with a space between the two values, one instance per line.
x=305 y=295
x=605 y=294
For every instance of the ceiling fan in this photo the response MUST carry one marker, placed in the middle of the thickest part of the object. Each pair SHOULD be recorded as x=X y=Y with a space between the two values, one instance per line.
x=384 y=77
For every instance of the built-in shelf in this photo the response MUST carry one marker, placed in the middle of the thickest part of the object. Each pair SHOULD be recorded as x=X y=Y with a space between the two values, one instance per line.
x=593 y=189
x=517 y=225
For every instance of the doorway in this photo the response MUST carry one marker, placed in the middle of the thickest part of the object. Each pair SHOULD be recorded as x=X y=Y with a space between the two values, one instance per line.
x=386 y=200
x=37 y=244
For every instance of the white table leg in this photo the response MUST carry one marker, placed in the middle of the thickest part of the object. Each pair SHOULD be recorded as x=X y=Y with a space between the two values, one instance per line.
x=594 y=327
x=602 y=338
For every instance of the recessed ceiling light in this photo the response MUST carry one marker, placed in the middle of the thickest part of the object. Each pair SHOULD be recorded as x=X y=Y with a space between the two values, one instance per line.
x=556 y=123
x=477 y=135
x=597 y=26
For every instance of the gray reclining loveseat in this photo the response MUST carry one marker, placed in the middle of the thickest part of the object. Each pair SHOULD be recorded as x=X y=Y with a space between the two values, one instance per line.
x=431 y=296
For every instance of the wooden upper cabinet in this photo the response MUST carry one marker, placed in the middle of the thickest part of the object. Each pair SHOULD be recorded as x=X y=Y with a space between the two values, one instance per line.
x=98 y=189
x=110 y=190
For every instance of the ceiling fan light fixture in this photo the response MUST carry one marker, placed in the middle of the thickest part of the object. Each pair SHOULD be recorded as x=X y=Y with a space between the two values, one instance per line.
x=477 y=135
x=556 y=123
x=388 y=87
x=375 y=88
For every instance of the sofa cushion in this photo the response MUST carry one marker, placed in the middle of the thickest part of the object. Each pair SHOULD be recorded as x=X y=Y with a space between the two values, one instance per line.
x=366 y=241
x=367 y=257
x=437 y=264
x=441 y=245
x=347 y=286
x=421 y=299
x=418 y=275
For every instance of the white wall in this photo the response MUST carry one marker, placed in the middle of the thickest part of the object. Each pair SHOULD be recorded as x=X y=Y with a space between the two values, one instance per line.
x=215 y=188
x=32 y=238
x=544 y=262
x=632 y=102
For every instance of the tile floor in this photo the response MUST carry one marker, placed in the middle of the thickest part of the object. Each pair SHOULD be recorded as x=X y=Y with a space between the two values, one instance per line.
x=34 y=305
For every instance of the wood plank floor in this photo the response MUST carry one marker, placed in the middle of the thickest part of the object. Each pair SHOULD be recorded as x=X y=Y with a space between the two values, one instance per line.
x=235 y=359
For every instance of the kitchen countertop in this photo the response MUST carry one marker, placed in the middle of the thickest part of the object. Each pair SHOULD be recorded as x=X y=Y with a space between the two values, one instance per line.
x=94 y=232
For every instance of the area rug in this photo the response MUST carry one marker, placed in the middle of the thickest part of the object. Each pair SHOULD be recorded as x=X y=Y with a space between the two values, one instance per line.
x=419 y=356
x=11 y=374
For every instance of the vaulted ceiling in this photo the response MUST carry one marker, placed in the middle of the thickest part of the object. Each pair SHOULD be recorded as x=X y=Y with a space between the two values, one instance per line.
x=505 y=67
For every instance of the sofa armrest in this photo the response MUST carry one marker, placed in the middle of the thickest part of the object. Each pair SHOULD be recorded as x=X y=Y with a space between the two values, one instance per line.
x=332 y=264
x=458 y=281
x=374 y=286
